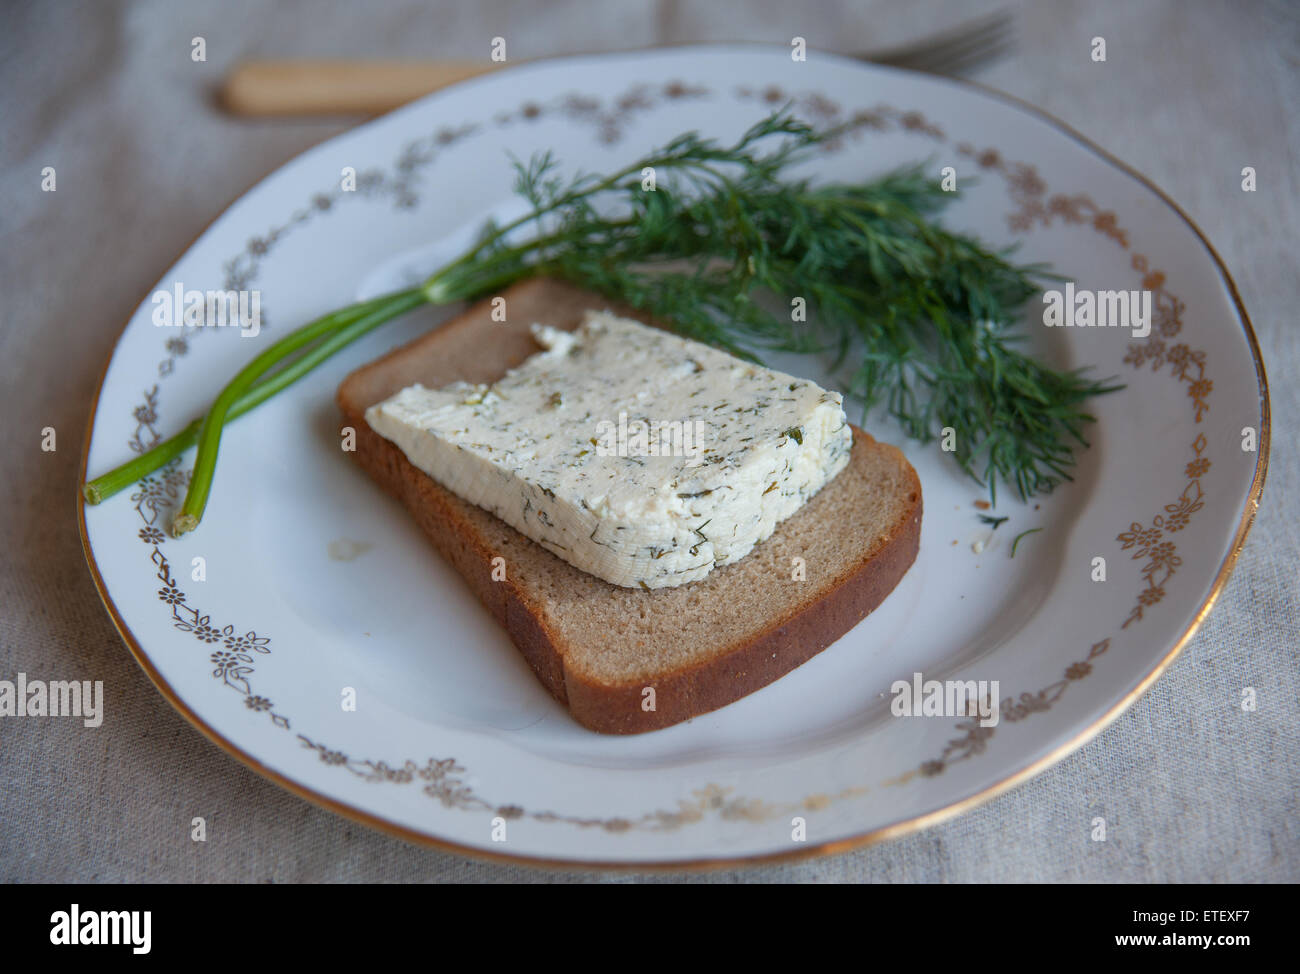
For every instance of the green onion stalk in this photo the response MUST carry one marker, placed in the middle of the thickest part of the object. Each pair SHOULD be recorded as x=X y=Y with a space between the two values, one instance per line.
x=485 y=266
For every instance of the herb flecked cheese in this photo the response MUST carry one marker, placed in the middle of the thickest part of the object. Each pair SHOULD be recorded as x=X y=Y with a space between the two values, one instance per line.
x=635 y=455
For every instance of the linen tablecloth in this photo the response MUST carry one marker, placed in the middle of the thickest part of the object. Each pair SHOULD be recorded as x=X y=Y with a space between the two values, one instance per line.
x=108 y=94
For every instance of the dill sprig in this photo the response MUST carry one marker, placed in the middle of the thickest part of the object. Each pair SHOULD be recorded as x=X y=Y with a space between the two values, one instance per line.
x=927 y=316
x=918 y=319
x=1016 y=541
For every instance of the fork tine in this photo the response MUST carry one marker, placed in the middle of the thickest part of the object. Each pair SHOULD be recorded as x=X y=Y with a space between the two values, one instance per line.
x=994 y=52
x=962 y=45
x=952 y=62
x=950 y=44
x=956 y=59
x=994 y=23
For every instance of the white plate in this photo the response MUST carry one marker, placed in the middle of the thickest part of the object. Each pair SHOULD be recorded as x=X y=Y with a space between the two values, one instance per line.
x=315 y=581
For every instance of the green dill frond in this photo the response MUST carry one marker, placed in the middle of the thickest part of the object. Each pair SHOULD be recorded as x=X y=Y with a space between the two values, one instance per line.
x=923 y=319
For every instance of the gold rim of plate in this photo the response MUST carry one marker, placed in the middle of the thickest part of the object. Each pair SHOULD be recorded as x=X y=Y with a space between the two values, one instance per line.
x=894 y=830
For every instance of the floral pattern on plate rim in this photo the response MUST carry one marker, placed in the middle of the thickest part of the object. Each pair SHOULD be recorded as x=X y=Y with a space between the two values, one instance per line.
x=233 y=663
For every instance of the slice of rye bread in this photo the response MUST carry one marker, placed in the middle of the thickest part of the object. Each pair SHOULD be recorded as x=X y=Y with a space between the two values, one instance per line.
x=597 y=646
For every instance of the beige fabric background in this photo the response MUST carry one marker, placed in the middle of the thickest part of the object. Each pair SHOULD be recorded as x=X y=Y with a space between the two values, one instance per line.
x=106 y=92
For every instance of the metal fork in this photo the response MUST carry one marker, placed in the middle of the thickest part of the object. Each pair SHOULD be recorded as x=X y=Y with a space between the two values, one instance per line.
x=333 y=87
x=955 y=50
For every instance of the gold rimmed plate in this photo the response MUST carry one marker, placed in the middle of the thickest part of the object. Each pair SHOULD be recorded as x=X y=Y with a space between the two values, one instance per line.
x=309 y=630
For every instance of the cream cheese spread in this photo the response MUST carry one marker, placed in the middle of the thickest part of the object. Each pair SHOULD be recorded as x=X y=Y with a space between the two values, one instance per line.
x=635 y=455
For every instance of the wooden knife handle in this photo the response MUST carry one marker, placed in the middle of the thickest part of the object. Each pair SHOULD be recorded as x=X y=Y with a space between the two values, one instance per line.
x=337 y=87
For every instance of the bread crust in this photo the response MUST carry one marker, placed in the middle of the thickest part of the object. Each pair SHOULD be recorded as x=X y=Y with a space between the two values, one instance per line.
x=734 y=671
